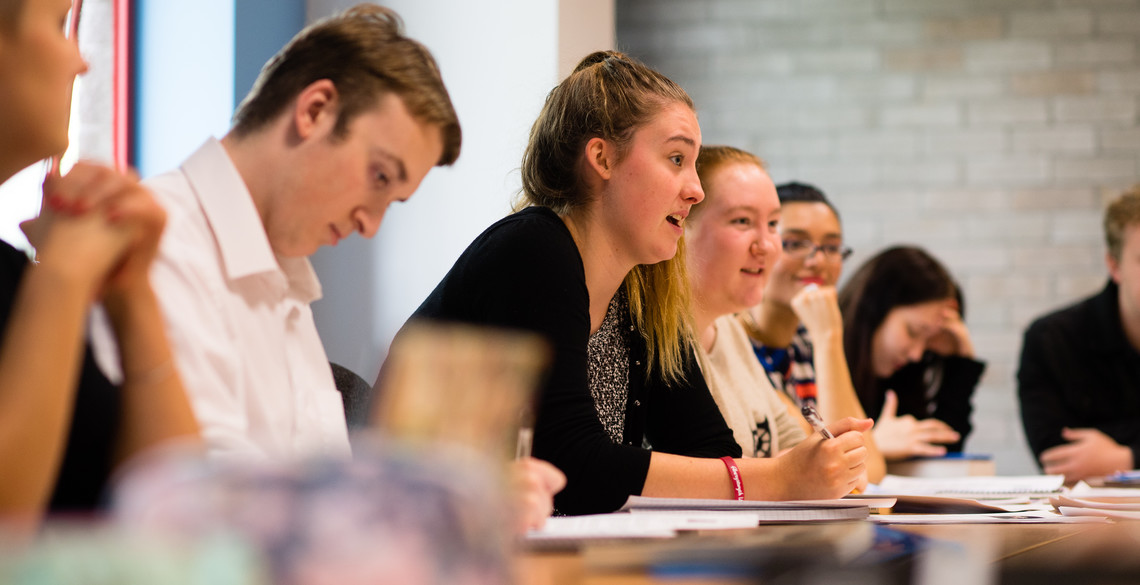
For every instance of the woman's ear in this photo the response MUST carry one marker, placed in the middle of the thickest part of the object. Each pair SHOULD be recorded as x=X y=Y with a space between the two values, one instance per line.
x=600 y=157
x=315 y=108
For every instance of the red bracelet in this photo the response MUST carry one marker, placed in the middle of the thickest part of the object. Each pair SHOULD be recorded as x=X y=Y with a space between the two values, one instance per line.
x=734 y=475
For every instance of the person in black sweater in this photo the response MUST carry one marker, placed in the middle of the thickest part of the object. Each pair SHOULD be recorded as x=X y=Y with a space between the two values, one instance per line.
x=65 y=426
x=1079 y=375
x=592 y=264
x=910 y=353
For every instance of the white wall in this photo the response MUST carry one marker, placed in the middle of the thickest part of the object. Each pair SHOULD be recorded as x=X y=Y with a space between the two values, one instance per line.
x=185 y=73
x=988 y=132
x=584 y=26
x=498 y=61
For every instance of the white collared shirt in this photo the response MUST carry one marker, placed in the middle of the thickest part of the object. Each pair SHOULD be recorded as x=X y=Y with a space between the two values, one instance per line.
x=239 y=321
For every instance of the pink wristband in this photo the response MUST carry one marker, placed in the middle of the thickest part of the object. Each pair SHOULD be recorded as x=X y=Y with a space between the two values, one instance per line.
x=734 y=476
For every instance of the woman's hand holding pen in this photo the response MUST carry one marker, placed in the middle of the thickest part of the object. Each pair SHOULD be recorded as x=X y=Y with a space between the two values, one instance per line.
x=827 y=468
x=534 y=482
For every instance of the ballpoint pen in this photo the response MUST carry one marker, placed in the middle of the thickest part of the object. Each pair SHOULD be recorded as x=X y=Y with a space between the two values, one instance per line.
x=526 y=437
x=816 y=422
x=812 y=416
x=526 y=434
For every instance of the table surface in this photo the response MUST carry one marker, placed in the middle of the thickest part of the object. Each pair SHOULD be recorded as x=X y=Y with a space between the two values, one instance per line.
x=1010 y=548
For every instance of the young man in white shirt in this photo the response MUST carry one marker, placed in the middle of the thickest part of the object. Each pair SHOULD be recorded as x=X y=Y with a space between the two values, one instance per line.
x=345 y=119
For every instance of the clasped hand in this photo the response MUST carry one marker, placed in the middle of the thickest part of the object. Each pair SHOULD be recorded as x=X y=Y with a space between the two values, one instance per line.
x=98 y=226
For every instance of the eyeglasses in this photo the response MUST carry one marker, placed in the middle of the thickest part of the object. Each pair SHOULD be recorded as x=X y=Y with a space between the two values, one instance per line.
x=806 y=249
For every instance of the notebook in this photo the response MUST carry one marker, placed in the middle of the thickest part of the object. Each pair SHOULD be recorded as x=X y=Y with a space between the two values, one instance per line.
x=837 y=509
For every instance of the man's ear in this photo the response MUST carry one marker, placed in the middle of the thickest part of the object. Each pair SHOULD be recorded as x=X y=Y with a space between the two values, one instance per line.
x=315 y=108
x=601 y=157
x=1113 y=266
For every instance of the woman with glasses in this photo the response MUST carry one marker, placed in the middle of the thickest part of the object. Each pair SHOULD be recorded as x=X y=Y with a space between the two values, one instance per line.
x=796 y=329
x=732 y=245
x=910 y=352
x=65 y=425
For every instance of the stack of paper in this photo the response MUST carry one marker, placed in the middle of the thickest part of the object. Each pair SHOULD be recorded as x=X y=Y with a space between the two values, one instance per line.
x=996 y=487
x=1118 y=510
x=641 y=525
x=841 y=509
x=1021 y=517
x=644 y=517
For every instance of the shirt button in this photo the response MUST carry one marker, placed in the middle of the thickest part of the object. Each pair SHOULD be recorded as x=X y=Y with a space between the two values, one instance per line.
x=637 y=362
x=637 y=403
x=631 y=328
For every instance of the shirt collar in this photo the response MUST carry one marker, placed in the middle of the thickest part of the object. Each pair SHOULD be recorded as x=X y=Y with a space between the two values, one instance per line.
x=242 y=242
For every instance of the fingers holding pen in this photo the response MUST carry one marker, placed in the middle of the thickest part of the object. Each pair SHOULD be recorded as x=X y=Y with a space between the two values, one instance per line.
x=845 y=455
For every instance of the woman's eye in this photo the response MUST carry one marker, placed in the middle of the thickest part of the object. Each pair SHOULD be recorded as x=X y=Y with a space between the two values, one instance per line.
x=741 y=221
x=677 y=159
x=773 y=225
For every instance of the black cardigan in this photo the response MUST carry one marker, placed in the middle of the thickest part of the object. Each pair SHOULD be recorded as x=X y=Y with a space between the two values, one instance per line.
x=1078 y=370
x=525 y=272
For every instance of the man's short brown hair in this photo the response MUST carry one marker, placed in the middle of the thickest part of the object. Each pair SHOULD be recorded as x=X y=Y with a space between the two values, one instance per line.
x=365 y=54
x=1121 y=213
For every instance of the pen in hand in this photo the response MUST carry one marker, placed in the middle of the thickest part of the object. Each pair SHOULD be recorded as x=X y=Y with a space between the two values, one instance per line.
x=526 y=434
x=812 y=416
x=526 y=438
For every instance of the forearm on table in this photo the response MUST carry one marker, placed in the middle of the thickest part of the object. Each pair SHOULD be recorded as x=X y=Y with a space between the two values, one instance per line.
x=675 y=476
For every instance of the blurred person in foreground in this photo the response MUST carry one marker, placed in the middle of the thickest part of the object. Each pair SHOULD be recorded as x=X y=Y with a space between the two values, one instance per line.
x=66 y=427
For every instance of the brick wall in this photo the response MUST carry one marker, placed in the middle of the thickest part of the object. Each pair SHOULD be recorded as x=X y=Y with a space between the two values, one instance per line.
x=988 y=131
